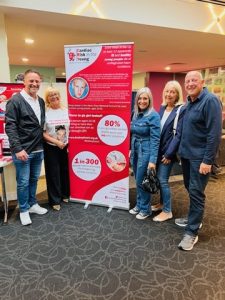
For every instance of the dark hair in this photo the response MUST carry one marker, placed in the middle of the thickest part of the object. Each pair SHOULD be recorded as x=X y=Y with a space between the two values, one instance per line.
x=60 y=127
x=19 y=77
x=32 y=71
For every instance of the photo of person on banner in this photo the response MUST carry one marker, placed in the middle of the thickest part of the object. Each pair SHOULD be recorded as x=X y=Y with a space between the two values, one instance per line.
x=116 y=161
x=3 y=101
x=78 y=88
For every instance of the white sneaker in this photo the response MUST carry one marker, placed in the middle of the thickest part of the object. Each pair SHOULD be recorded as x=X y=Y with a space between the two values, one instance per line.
x=37 y=209
x=188 y=242
x=134 y=211
x=25 y=218
x=142 y=216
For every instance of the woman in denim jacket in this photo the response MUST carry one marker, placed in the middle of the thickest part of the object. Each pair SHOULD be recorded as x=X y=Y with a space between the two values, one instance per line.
x=169 y=143
x=145 y=137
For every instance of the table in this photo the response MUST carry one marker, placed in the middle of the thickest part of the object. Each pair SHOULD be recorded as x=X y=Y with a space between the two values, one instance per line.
x=4 y=161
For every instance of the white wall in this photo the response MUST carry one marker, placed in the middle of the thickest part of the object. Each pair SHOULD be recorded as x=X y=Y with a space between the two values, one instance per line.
x=138 y=81
x=4 y=58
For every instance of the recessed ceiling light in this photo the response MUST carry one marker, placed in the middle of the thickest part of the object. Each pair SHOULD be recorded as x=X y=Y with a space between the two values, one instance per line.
x=29 y=41
x=63 y=73
x=24 y=59
x=177 y=63
x=168 y=68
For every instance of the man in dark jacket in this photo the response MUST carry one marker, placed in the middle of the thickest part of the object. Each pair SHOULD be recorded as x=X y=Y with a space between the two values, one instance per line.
x=25 y=116
x=198 y=147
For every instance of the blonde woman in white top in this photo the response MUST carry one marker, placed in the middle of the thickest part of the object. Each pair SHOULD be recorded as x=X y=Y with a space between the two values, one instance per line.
x=55 y=149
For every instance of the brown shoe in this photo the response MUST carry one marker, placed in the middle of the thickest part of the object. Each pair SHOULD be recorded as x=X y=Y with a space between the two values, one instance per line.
x=56 y=207
x=163 y=216
x=157 y=207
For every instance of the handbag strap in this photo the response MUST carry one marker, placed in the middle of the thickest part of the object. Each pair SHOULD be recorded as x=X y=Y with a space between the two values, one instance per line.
x=151 y=172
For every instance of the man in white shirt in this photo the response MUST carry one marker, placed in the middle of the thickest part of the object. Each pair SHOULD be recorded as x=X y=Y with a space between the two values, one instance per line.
x=25 y=116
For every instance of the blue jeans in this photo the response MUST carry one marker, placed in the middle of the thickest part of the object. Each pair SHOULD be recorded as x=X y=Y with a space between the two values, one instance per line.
x=27 y=174
x=195 y=183
x=163 y=173
x=140 y=160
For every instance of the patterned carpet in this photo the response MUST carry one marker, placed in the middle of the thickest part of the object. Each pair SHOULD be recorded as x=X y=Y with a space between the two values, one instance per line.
x=94 y=255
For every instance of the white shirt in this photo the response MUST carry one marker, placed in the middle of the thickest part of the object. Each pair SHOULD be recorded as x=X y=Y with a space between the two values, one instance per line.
x=57 y=124
x=34 y=103
x=164 y=118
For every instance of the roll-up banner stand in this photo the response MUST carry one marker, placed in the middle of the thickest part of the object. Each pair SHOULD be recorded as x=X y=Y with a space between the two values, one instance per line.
x=99 y=89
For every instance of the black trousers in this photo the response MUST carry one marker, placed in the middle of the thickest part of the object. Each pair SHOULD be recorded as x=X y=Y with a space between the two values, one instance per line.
x=57 y=173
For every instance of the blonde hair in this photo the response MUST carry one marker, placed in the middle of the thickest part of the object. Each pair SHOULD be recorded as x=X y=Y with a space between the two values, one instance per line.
x=178 y=89
x=79 y=79
x=147 y=91
x=49 y=91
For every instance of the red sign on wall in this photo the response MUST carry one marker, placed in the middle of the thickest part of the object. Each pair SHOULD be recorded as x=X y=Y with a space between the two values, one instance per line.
x=7 y=90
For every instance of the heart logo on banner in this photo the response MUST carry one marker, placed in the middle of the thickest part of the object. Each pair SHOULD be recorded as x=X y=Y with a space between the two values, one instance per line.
x=2 y=89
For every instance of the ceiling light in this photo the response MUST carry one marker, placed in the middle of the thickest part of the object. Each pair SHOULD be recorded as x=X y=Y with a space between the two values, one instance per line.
x=85 y=5
x=97 y=10
x=63 y=73
x=24 y=59
x=29 y=41
x=168 y=68
x=216 y=20
x=81 y=7
x=177 y=64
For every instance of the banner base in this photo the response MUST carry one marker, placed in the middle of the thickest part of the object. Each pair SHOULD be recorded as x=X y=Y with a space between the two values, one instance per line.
x=87 y=204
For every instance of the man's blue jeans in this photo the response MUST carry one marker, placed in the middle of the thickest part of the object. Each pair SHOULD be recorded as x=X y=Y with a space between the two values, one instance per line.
x=163 y=173
x=140 y=164
x=195 y=183
x=27 y=174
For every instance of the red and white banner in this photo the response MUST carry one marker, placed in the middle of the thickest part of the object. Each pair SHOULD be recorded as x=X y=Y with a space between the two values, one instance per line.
x=7 y=90
x=99 y=84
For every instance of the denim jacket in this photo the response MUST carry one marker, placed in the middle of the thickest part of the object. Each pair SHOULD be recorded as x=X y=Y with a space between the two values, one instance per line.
x=145 y=129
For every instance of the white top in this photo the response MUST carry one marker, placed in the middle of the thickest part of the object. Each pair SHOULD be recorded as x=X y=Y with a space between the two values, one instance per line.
x=57 y=124
x=164 y=118
x=34 y=103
